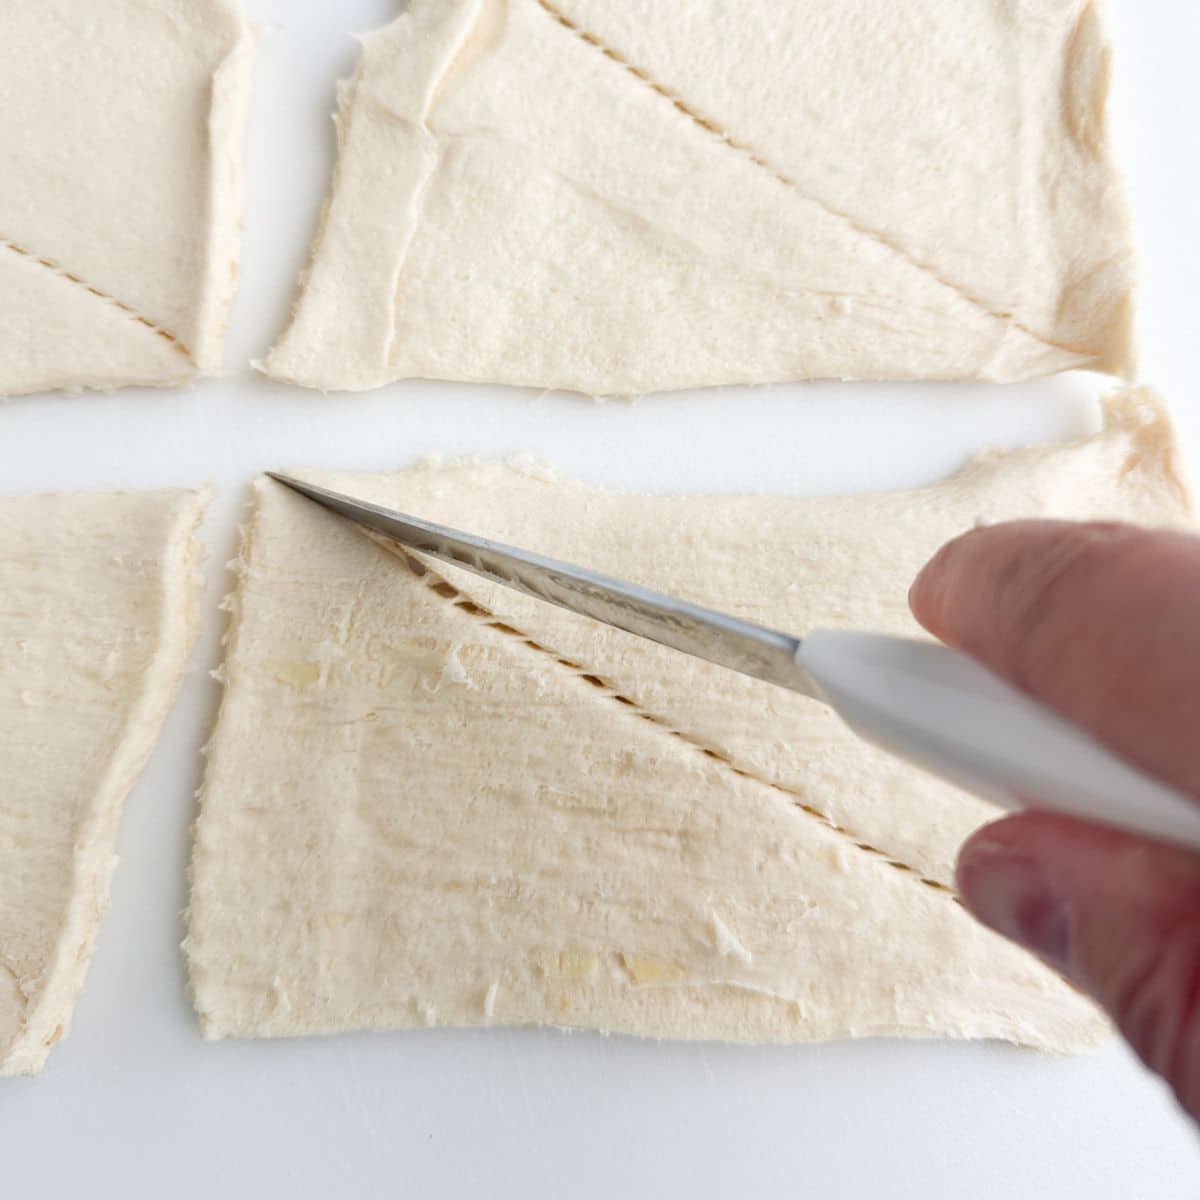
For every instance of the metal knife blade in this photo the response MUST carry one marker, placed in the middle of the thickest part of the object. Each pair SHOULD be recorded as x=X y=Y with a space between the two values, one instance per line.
x=701 y=632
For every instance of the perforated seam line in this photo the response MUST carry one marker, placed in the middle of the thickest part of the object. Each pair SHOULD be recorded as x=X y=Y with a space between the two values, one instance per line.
x=63 y=273
x=447 y=591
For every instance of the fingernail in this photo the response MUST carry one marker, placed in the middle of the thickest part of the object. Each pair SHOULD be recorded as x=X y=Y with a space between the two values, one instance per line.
x=1013 y=894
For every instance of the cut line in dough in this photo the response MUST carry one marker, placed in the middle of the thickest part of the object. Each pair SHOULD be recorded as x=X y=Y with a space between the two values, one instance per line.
x=120 y=215
x=741 y=193
x=97 y=615
x=430 y=800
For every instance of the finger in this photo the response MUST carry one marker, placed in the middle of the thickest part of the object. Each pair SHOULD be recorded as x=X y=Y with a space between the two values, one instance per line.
x=1098 y=621
x=1118 y=915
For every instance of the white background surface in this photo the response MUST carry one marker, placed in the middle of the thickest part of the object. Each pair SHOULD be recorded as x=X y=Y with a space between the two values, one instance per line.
x=134 y=1104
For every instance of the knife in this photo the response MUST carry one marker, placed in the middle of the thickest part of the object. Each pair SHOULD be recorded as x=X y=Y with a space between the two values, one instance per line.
x=919 y=700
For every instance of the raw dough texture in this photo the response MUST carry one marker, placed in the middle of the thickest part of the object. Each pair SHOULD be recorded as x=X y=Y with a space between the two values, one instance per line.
x=121 y=156
x=97 y=613
x=624 y=198
x=432 y=801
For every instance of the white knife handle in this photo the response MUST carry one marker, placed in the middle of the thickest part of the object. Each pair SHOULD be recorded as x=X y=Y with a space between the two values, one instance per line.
x=944 y=712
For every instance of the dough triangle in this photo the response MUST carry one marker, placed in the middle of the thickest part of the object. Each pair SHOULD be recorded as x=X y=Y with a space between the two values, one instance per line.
x=619 y=238
x=68 y=336
x=971 y=139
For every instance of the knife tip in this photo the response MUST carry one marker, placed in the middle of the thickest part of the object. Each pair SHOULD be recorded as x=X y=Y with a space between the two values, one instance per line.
x=287 y=480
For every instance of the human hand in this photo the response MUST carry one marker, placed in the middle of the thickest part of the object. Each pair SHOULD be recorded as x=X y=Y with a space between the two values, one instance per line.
x=1102 y=623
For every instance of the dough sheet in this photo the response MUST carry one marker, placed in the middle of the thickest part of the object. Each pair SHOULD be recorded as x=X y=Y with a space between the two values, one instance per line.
x=626 y=198
x=97 y=614
x=121 y=154
x=433 y=801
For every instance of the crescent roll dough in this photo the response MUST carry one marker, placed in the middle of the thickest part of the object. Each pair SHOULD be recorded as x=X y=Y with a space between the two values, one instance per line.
x=97 y=614
x=120 y=155
x=636 y=196
x=433 y=801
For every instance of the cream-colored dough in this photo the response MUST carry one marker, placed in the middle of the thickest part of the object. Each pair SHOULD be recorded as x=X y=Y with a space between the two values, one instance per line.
x=624 y=198
x=121 y=157
x=431 y=801
x=97 y=613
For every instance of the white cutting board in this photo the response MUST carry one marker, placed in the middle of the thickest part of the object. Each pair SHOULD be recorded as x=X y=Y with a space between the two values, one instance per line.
x=134 y=1104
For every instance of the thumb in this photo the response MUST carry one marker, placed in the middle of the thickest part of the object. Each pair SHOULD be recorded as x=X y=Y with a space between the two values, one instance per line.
x=1119 y=916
